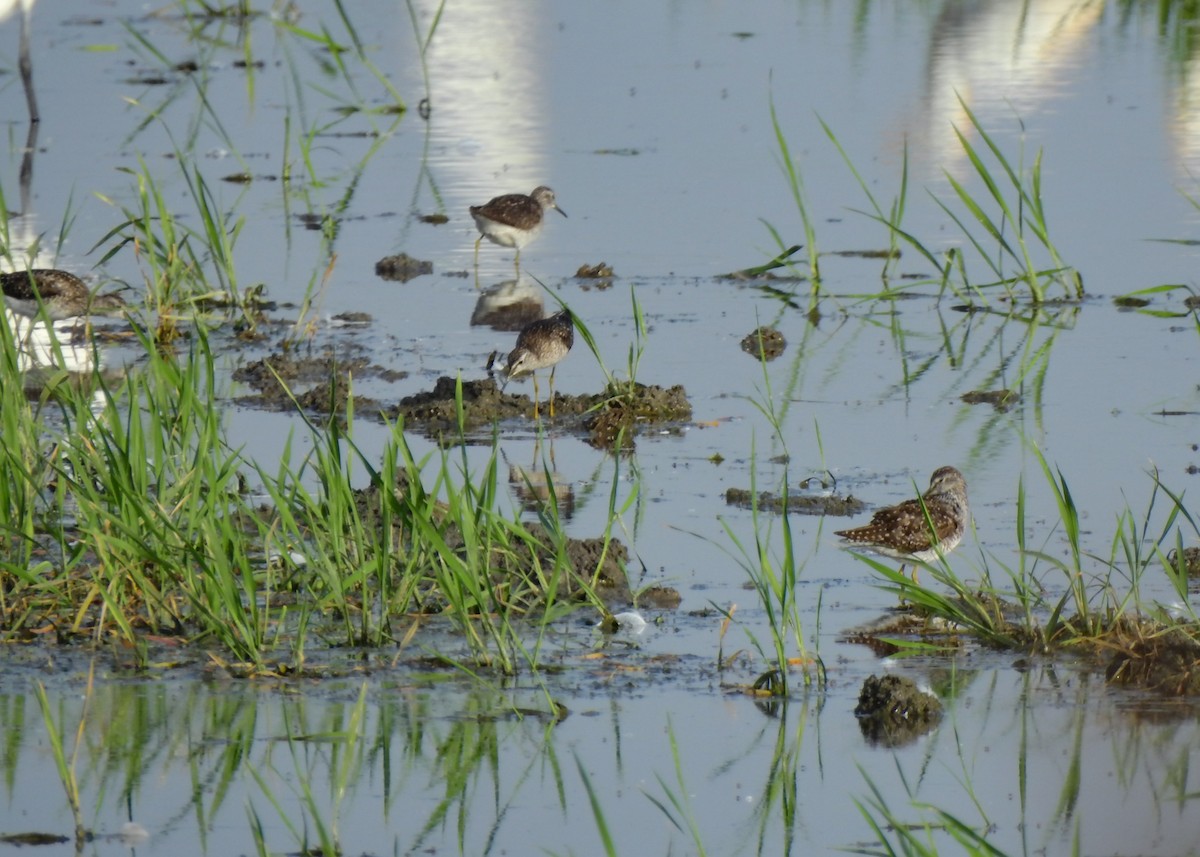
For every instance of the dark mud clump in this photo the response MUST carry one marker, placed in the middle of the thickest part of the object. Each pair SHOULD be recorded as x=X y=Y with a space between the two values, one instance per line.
x=1128 y=302
x=624 y=410
x=483 y=403
x=766 y=343
x=1163 y=660
x=277 y=377
x=803 y=504
x=892 y=711
x=660 y=598
x=619 y=412
x=1001 y=400
x=402 y=268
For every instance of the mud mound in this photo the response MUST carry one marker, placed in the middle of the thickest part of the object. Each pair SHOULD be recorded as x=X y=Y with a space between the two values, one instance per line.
x=621 y=411
x=328 y=379
x=892 y=711
x=1166 y=661
x=765 y=342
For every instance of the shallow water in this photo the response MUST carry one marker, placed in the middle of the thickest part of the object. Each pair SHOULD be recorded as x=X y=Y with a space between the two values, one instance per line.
x=653 y=125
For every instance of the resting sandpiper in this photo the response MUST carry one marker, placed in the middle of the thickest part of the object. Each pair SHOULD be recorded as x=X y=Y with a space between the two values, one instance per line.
x=513 y=220
x=62 y=295
x=903 y=533
x=540 y=344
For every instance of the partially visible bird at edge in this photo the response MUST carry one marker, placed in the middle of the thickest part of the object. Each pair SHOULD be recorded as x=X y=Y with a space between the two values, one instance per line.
x=54 y=295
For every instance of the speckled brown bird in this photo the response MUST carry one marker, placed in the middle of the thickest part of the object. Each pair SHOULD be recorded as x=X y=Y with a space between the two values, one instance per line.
x=63 y=295
x=540 y=344
x=902 y=531
x=513 y=220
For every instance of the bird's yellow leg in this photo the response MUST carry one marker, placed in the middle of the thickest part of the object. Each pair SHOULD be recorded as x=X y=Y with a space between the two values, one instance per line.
x=552 y=391
x=535 y=396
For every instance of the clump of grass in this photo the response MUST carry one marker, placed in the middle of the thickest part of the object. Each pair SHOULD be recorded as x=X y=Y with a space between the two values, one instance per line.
x=162 y=536
x=1007 y=225
x=1020 y=225
x=182 y=262
x=774 y=576
x=1083 y=602
x=20 y=456
x=446 y=548
x=795 y=179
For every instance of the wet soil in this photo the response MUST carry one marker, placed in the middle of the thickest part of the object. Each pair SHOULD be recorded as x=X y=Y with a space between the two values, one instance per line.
x=599 y=271
x=328 y=376
x=610 y=419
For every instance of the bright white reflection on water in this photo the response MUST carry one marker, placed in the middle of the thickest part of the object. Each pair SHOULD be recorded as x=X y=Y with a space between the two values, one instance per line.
x=652 y=121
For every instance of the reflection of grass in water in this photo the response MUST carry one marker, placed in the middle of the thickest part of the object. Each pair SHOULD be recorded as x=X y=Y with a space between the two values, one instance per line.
x=463 y=764
x=220 y=39
x=192 y=268
x=66 y=767
x=680 y=812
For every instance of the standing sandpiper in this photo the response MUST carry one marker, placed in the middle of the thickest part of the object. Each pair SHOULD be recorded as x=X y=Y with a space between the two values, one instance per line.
x=902 y=531
x=62 y=295
x=540 y=344
x=513 y=220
